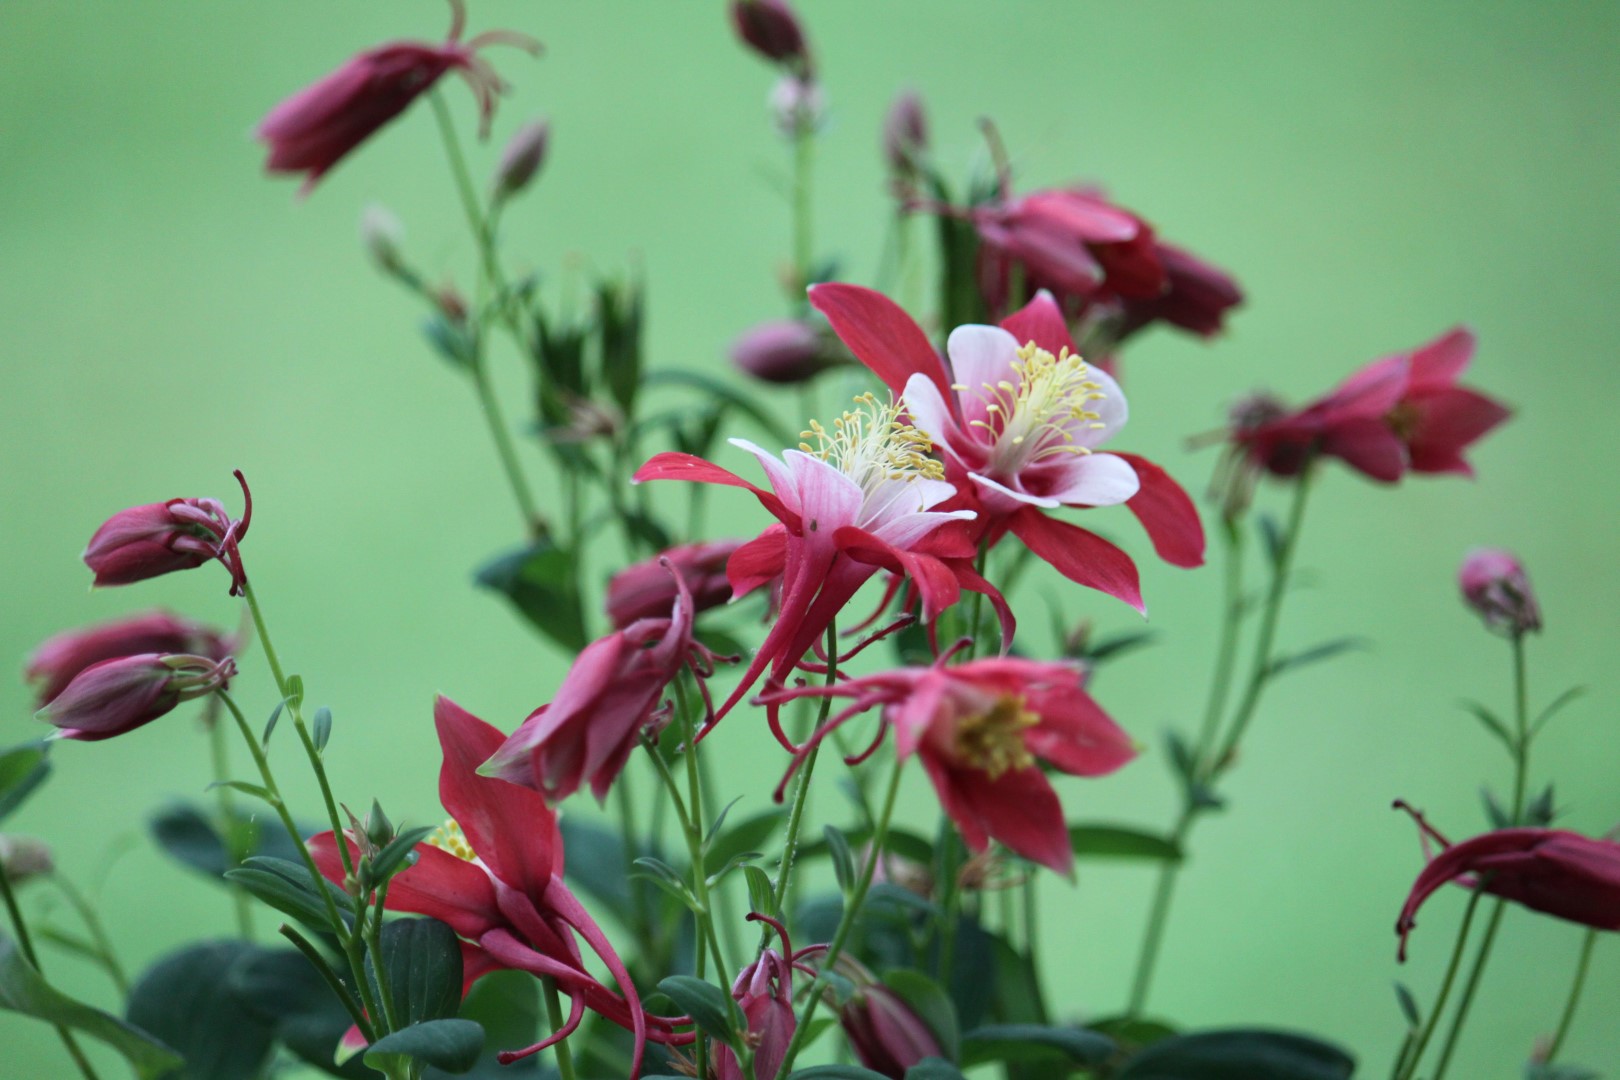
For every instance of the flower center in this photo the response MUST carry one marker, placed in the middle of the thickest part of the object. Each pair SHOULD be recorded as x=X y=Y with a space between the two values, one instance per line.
x=994 y=739
x=1033 y=419
x=871 y=444
x=448 y=837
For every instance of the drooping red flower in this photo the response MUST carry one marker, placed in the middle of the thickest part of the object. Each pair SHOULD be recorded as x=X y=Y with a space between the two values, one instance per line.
x=647 y=590
x=1553 y=871
x=613 y=692
x=885 y=1032
x=159 y=538
x=58 y=659
x=1196 y=297
x=764 y=990
x=494 y=874
x=1015 y=419
x=318 y=126
x=115 y=696
x=980 y=730
x=1494 y=584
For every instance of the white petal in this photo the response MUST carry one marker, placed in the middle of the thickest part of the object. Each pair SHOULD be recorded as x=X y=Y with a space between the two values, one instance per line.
x=1110 y=408
x=929 y=413
x=1098 y=480
x=907 y=529
x=980 y=355
x=1021 y=496
x=779 y=475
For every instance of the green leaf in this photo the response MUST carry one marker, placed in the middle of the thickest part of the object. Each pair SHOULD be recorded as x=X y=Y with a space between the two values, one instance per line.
x=835 y=1072
x=397 y=854
x=750 y=834
x=1240 y=1054
x=506 y=1004
x=842 y=859
x=932 y=1005
x=596 y=862
x=22 y=769
x=295 y=690
x=619 y=309
x=451 y=1045
x=1492 y=723
x=270 y=724
x=286 y=886
x=1271 y=537
x=283 y=988
x=1325 y=651
x=933 y=1068
x=23 y=990
x=1534 y=1071
x=323 y=729
x=255 y=790
x=1556 y=707
x=707 y=1005
x=1132 y=1033
x=422 y=960
x=184 y=999
x=1541 y=810
x=1121 y=842
x=1409 y=1006
x=1495 y=813
x=761 y=893
x=190 y=835
x=540 y=581
x=452 y=340
x=1022 y=1043
x=1116 y=645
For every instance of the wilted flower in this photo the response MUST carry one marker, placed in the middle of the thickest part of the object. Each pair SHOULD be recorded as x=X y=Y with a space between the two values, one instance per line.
x=115 y=696
x=58 y=659
x=781 y=351
x=160 y=538
x=772 y=30
x=1494 y=584
x=524 y=154
x=1552 y=871
x=317 y=127
x=23 y=857
x=647 y=589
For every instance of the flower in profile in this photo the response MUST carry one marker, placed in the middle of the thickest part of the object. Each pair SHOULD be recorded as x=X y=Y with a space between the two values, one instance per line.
x=1016 y=418
x=1196 y=297
x=159 y=538
x=782 y=351
x=318 y=126
x=1494 y=584
x=60 y=658
x=494 y=874
x=764 y=991
x=648 y=590
x=851 y=500
x=981 y=730
x=772 y=30
x=116 y=696
x=610 y=695
x=885 y=1032
x=1553 y=871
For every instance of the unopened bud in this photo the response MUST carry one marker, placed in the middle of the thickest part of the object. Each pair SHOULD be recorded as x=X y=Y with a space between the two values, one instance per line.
x=886 y=1033
x=23 y=857
x=524 y=154
x=382 y=235
x=379 y=830
x=1494 y=584
x=781 y=351
x=116 y=696
x=905 y=134
x=772 y=30
x=451 y=304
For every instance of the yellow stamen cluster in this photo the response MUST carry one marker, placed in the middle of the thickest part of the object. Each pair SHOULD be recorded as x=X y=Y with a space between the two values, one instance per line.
x=448 y=837
x=994 y=739
x=1031 y=419
x=871 y=444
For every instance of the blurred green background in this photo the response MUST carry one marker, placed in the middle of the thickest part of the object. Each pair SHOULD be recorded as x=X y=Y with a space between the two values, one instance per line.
x=1373 y=173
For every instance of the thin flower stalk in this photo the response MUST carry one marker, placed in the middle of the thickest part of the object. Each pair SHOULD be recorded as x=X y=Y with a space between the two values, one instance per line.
x=1582 y=965
x=25 y=942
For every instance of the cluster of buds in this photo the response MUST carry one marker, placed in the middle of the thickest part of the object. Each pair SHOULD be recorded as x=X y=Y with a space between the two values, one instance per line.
x=159 y=538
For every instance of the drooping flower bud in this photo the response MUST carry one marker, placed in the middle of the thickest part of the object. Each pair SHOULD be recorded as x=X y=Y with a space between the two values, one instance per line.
x=1494 y=584
x=764 y=989
x=647 y=590
x=159 y=538
x=382 y=235
x=115 y=696
x=887 y=1034
x=521 y=160
x=23 y=857
x=905 y=135
x=772 y=30
x=781 y=351
x=58 y=659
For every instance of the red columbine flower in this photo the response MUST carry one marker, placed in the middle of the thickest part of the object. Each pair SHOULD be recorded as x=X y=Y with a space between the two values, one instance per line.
x=860 y=499
x=58 y=659
x=1494 y=584
x=980 y=728
x=886 y=1034
x=115 y=696
x=1553 y=871
x=647 y=589
x=764 y=989
x=317 y=127
x=1196 y=297
x=613 y=691
x=160 y=538
x=494 y=874
x=1015 y=420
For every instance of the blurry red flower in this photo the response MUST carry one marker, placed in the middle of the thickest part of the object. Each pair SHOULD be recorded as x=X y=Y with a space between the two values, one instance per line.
x=58 y=659
x=771 y=29
x=781 y=351
x=647 y=590
x=886 y=1033
x=1494 y=584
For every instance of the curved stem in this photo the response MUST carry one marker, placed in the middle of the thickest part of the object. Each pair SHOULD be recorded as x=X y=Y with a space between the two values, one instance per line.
x=98 y=934
x=1575 y=989
x=1411 y=1062
x=26 y=944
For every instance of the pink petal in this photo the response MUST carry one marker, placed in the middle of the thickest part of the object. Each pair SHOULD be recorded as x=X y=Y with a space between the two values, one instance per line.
x=936 y=585
x=1080 y=556
x=672 y=465
x=1448 y=422
x=438 y=885
x=760 y=560
x=1369 y=446
x=1097 y=480
x=828 y=499
x=929 y=412
x=880 y=334
x=1167 y=513
x=1441 y=361
x=1076 y=736
x=980 y=356
x=781 y=477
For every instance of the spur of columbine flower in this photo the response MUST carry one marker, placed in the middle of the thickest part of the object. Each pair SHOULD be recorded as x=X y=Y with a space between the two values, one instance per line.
x=1016 y=418
x=611 y=694
x=859 y=497
x=981 y=729
x=317 y=127
x=159 y=538
x=60 y=658
x=1552 y=871
x=494 y=875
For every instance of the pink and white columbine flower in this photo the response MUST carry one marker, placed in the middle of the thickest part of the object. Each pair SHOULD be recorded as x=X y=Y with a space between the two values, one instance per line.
x=848 y=501
x=1017 y=418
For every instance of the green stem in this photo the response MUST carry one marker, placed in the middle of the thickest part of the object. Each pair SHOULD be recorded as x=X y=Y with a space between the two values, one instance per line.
x=804 y=147
x=1575 y=989
x=1475 y=973
x=227 y=807
x=846 y=923
x=385 y=986
x=554 y=1013
x=696 y=821
x=801 y=791
x=1521 y=720
x=26 y=944
x=97 y=932
x=1422 y=1043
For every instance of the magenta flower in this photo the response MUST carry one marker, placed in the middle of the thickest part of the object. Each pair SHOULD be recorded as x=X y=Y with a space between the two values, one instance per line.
x=647 y=589
x=886 y=1033
x=316 y=128
x=58 y=659
x=115 y=696
x=781 y=351
x=612 y=693
x=905 y=136
x=160 y=538
x=1196 y=297
x=1553 y=871
x=1016 y=419
x=771 y=29
x=1494 y=584
x=494 y=874
x=764 y=990
x=981 y=729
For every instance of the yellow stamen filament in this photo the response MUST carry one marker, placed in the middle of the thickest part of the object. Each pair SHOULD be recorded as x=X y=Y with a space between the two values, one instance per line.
x=1034 y=418
x=994 y=740
x=448 y=837
x=871 y=444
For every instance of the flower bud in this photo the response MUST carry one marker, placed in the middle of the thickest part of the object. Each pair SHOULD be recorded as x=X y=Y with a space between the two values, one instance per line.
x=159 y=538
x=58 y=659
x=647 y=590
x=379 y=830
x=1494 y=584
x=115 y=696
x=887 y=1034
x=764 y=991
x=781 y=351
x=771 y=29
x=524 y=154
x=23 y=857
x=905 y=135
x=382 y=235
x=797 y=105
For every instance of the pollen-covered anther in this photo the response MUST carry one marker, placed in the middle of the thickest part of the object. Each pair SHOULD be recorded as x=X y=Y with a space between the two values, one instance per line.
x=448 y=837
x=871 y=444
x=1034 y=418
x=993 y=740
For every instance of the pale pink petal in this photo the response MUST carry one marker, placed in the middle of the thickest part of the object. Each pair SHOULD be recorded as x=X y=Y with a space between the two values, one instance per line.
x=980 y=356
x=1020 y=496
x=1096 y=480
x=780 y=476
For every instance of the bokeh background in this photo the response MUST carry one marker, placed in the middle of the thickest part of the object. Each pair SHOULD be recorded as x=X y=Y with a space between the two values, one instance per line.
x=1373 y=173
